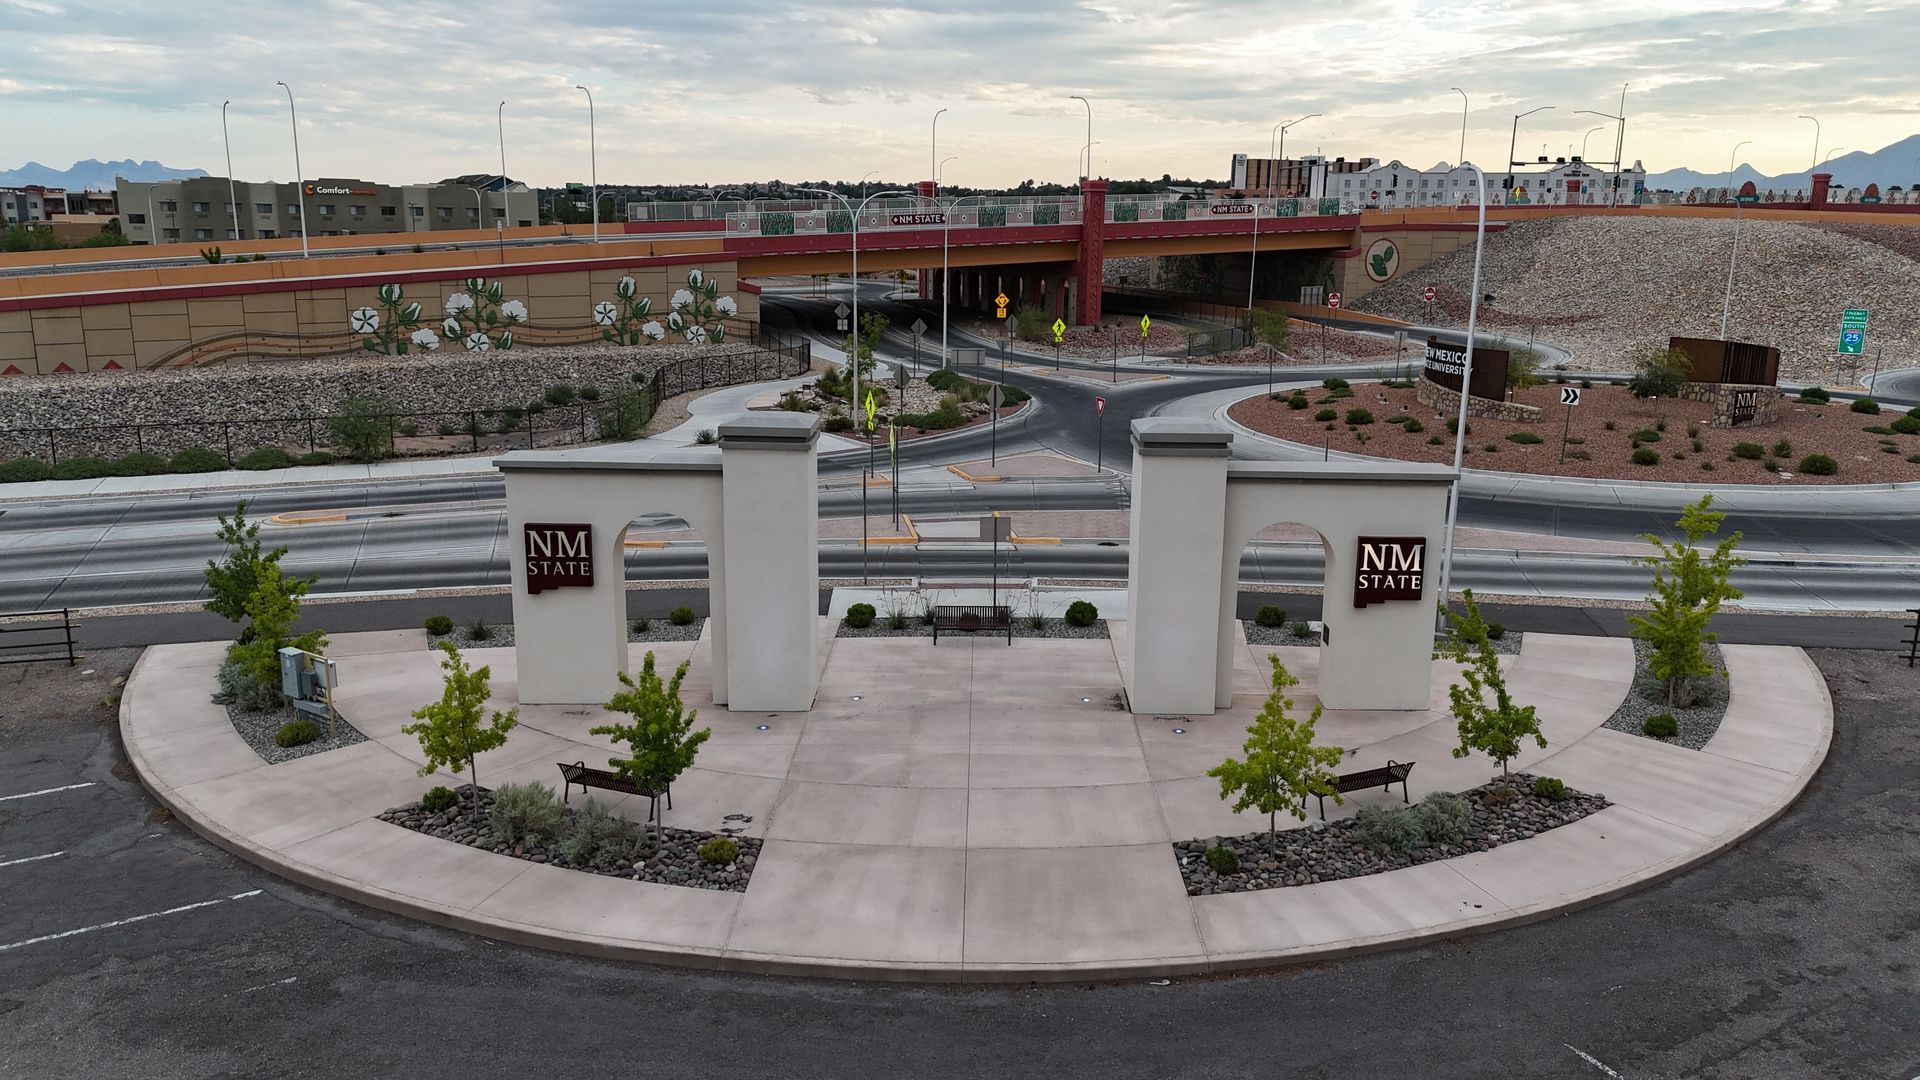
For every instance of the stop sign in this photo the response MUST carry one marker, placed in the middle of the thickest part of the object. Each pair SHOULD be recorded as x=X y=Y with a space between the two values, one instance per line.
x=1428 y=293
x=1333 y=300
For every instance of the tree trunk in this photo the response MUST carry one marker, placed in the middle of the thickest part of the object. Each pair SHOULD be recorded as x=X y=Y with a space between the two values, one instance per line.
x=1270 y=832
x=473 y=780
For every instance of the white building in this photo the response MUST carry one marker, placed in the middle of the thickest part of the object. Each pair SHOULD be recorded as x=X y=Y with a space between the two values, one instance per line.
x=1395 y=185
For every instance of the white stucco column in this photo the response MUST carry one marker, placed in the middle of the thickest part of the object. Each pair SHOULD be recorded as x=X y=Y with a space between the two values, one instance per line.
x=772 y=512
x=1173 y=563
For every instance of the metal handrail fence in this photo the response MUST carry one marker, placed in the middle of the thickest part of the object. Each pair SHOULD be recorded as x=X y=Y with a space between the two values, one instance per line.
x=59 y=641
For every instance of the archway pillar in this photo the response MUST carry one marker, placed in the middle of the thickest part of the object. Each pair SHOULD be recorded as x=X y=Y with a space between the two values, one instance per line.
x=1173 y=579
x=772 y=514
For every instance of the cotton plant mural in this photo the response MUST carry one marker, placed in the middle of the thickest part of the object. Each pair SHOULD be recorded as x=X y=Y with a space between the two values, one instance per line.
x=623 y=320
x=479 y=320
x=394 y=327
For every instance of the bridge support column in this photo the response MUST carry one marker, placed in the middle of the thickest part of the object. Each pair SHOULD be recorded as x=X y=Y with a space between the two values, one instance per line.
x=928 y=275
x=1092 y=261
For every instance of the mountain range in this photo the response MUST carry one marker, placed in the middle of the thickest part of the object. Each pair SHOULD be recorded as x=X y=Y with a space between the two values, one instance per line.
x=1889 y=165
x=92 y=175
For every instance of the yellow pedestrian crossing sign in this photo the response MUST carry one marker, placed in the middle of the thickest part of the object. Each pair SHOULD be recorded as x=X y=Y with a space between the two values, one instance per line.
x=1059 y=330
x=1145 y=325
x=870 y=410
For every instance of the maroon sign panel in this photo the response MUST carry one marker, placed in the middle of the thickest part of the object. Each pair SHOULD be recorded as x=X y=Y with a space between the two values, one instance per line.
x=558 y=556
x=928 y=218
x=1231 y=208
x=1390 y=568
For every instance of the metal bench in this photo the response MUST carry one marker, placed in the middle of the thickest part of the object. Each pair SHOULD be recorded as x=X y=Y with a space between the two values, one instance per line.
x=972 y=620
x=1394 y=772
x=607 y=780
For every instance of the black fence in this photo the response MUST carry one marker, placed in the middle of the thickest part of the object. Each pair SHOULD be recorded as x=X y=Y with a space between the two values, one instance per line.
x=558 y=418
x=42 y=636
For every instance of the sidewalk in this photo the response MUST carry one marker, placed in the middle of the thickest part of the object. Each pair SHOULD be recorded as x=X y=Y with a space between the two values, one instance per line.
x=976 y=811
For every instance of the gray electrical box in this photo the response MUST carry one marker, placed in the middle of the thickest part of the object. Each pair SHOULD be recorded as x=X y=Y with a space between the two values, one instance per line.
x=308 y=681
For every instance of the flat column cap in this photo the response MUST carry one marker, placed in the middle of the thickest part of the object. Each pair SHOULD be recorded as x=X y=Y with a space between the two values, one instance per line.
x=770 y=431
x=1181 y=436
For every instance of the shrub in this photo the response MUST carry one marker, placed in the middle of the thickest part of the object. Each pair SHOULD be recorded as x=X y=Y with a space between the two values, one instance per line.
x=1434 y=440
x=438 y=625
x=525 y=814
x=640 y=626
x=1359 y=416
x=1298 y=400
x=140 y=463
x=1326 y=414
x=560 y=394
x=1223 y=860
x=1334 y=384
x=1879 y=429
x=719 y=851
x=197 y=459
x=1413 y=424
x=1575 y=440
x=1865 y=405
x=706 y=437
x=1646 y=456
x=1660 y=373
x=1496 y=631
x=595 y=834
x=362 y=427
x=1819 y=465
x=448 y=427
x=660 y=738
x=1706 y=466
x=590 y=393
x=1524 y=438
x=1814 y=395
x=860 y=616
x=438 y=797
x=1550 y=788
x=1699 y=447
x=1751 y=451
x=1660 y=425
x=1770 y=465
x=1906 y=425
x=267 y=457
x=479 y=631
x=898 y=620
x=1301 y=629
x=1443 y=817
x=1783 y=448
x=1645 y=435
x=1660 y=726
x=1081 y=613
x=1586 y=384
x=317 y=457
x=1453 y=426
x=24 y=470
x=1270 y=616
x=1389 y=830
x=1610 y=426
x=296 y=733
x=681 y=616
x=237 y=686
x=836 y=423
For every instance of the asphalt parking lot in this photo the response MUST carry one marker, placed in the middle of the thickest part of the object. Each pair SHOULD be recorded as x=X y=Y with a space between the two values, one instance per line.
x=128 y=946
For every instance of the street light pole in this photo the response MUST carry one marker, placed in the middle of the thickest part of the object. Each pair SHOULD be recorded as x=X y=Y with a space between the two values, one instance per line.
x=1463 y=124
x=1466 y=389
x=1584 y=138
x=1513 y=143
x=1289 y=124
x=933 y=151
x=1816 y=140
x=853 y=360
x=593 y=162
x=1614 y=194
x=233 y=204
x=1087 y=170
x=940 y=170
x=299 y=177
x=1726 y=306
x=946 y=271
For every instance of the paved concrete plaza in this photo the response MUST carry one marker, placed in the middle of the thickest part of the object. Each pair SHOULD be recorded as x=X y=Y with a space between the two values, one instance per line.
x=976 y=811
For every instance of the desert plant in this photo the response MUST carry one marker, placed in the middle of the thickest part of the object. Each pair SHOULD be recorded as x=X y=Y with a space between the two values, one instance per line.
x=296 y=733
x=706 y=436
x=641 y=625
x=1413 y=425
x=1660 y=726
x=196 y=459
x=526 y=815
x=1646 y=455
x=1819 y=465
x=1389 y=830
x=437 y=625
x=660 y=740
x=1814 y=395
x=681 y=616
x=234 y=685
x=1523 y=368
x=1660 y=373
x=1081 y=613
x=1270 y=616
x=267 y=457
x=624 y=415
x=1495 y=631
x=1443 y=817
x=437 y=798
x=560 y=394
x=1326 y=414
x=24 y=470
x=1688 y=587
x=1495 y=729
x=456 y=730
x=1550 y=788
x=211 y=254
x=140 y=463
x=1644 y=435
x=478 y=630
x=860 y=616
x=1359 y=416
x=1783 y=448
x=1223 y=860
x=1301 y=629
x=1525 y=438
x=362 y=427
x=1865 y=405
x=1906 y=425
x=1283 y=766
x=1770 y=464
x=1297 y=400
x=719 y=851
x=1750 y=451
x=1335 y=384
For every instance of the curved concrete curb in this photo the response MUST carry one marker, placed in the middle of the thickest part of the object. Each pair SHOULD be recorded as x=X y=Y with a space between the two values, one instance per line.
x=727 y=959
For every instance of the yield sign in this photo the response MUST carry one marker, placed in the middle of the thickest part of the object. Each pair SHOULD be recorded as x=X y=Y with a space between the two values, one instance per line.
x=1099 y=406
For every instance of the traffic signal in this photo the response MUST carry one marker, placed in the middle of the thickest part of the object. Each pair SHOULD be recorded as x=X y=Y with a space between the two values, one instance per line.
x=1507 y=182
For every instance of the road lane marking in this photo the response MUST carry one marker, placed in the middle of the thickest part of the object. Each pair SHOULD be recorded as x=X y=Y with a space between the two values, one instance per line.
x=1591 y=1060
x=32 y=858
x=45 y=791
x=127 y=922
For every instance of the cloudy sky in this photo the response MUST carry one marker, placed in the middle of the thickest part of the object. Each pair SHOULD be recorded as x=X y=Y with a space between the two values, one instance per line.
x=733 y=90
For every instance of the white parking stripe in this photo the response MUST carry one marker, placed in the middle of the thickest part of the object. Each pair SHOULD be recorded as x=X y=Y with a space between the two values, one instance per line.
x=125 y=922
x=1591 y=1060
x=33 y=858
x=44 y=791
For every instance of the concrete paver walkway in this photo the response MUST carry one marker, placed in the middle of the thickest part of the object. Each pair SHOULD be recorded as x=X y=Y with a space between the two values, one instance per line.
x=976 y=811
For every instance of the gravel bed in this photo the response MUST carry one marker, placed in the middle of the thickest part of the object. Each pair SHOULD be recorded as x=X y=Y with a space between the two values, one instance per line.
x=1022 y=628
x=259 y=728
x=675 y=861
x=501 y=634
x=1330 y=851
x=1506 y=645
x=1648 y=697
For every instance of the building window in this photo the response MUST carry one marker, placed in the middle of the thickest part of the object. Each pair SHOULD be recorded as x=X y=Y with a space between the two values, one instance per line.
x=446 y=213
x=416 y=211
x=201 y=208
x=499 y=213
x=171 y=234
x=357 y=211
x=294 y=209
x=326 y=210
x=473 y=214
x=387 y=211
x=263 y=208
x=269 y=234
x=136 y=219
x=169 y=205
x=231 y=235
x=203 y=234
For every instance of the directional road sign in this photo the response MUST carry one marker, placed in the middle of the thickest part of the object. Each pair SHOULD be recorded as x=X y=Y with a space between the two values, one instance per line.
x=1569 y=395
x=1000 y=304
x=994 y=397
x=919 y=327
x=840 y=312
x=1059 y=330
x=1146 y=324
x=1333 y=300
x=1853 y=331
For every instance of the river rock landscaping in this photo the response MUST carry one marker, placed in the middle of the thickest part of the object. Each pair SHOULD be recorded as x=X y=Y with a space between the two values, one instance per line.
x=1696 y=723
x=1330 y=851
x=611 y=846
x=258 y=727
x=500 y=635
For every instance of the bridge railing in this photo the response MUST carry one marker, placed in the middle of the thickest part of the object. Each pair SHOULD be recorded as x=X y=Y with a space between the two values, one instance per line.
x=901 y=214
x=1125 y=208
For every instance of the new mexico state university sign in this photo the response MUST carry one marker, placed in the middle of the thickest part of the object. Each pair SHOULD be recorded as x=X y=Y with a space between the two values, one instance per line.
x=558 y=556
x=1390 y=568
x=1446 y=362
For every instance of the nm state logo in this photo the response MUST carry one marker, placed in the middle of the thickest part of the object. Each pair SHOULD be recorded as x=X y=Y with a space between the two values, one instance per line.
x=1383 y=259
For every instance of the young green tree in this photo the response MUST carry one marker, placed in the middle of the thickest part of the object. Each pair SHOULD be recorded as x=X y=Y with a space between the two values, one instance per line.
x=1272 y=328
x=271 y=610
x=450 y=730
x=1283 y=766
x=233 y=579
x=872 y=325
x=1660 y=373
x=1496 y=730
x=1688 y=588
x=661 y=740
